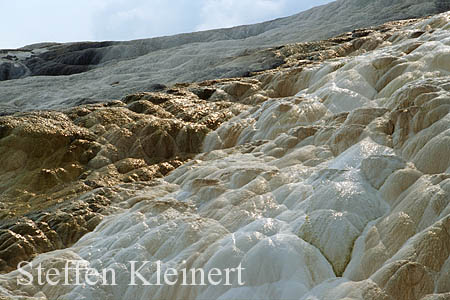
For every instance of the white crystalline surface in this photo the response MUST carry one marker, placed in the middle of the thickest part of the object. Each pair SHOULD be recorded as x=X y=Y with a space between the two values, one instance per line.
x=310 y=207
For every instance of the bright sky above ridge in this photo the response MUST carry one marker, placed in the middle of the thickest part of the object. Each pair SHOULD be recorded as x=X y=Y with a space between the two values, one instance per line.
x=26 y=22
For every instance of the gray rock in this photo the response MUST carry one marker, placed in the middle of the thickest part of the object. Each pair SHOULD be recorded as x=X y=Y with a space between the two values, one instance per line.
x=12 y=70
x=377 y=168
x=111 y=70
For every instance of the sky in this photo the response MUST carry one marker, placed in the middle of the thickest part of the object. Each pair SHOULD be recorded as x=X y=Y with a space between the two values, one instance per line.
x=25 y=22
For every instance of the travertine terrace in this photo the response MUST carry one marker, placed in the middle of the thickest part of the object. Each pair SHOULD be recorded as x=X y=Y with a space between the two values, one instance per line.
x=327 y=177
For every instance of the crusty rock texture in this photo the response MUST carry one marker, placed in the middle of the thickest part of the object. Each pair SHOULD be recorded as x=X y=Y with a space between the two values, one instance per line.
x=102 y=71
x=58 y=168
x=327 y=177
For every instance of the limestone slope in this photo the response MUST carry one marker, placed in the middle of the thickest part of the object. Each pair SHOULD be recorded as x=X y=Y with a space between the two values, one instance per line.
x=332 y=182
x=58 y=169
x=111 y=70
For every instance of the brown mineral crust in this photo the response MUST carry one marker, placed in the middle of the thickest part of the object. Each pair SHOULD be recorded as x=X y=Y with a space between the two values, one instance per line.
x=59 y=169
